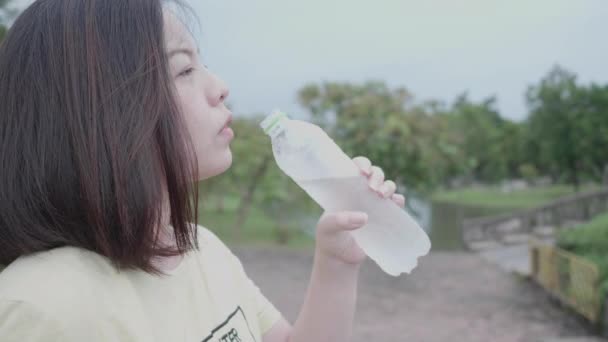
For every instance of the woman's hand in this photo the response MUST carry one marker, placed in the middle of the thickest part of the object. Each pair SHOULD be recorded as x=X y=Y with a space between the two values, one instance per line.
x=333 y=237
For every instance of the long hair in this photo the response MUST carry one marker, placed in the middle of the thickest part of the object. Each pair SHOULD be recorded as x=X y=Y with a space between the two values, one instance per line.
x=92 y=141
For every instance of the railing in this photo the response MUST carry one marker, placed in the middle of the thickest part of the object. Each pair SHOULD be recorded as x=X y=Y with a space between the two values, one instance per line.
x=570 y=278
x=517 y=228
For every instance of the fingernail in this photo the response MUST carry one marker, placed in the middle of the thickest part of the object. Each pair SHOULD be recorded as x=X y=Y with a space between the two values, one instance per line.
x=375 y=187
x=357 y=219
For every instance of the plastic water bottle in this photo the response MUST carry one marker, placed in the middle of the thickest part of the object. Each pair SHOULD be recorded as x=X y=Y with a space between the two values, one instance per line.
x=313 y=160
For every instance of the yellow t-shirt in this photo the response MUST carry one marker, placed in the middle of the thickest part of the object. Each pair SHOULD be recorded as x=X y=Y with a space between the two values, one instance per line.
x=71 y=294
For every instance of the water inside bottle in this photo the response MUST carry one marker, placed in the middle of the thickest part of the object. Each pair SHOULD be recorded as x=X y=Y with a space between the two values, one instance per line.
x=391 y=237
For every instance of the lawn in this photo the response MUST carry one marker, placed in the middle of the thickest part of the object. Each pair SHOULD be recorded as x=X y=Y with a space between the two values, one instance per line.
x=260 y=228
x=495 y=198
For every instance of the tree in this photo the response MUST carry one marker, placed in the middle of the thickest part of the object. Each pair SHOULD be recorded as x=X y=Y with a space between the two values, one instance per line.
x=484 y=137
x=593 y=128
x=430 y=144
x=385 y=125
x=6 y=14
x=3 y=31
x=421 y=145
x=557 y=124
x=252 y=157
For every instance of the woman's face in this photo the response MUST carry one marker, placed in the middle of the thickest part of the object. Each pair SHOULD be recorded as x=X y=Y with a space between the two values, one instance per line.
x=201 y=96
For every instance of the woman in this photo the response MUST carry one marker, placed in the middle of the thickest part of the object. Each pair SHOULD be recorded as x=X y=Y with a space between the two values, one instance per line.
x=107 y=121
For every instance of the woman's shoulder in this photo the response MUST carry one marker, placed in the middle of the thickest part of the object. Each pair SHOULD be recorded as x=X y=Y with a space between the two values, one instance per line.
x=66 y=278
x=73 y=270
x=216 y=256
x=209 y=242
x=59 y=279
x=68 y=294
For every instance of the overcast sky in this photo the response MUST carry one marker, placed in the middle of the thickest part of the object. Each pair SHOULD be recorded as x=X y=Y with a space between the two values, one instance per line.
x=267 y=49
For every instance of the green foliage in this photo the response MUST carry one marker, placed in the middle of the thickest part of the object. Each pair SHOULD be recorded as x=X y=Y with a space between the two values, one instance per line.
x=2 y=32
x=590 y=241
x=591 y=237
x=425 y=146
x=568 y=127
x=259 y=228
x=6 y=14
x=254 y=200
x=528 y=172
x=421 y=146
x=384 y=125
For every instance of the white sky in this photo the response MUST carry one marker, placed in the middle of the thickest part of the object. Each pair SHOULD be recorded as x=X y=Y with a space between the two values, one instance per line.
x=267 y=49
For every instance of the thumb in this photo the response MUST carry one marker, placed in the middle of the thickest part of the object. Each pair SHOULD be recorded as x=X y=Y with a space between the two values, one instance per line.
x=342 y=220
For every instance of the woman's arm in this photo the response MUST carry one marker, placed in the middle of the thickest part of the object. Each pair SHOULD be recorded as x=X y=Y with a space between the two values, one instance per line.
x=329 y=307
x=328 y=311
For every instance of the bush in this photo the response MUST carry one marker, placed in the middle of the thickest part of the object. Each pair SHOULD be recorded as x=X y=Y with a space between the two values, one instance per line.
x=2 y=33
x=589 y=238
x=528 y=172
x=590 y=241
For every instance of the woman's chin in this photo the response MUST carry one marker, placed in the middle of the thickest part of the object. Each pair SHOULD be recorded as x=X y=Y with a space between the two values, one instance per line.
x=219 y=166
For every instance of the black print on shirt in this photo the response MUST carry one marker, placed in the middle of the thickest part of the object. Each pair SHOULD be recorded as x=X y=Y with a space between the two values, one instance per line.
x=234 y=329
x=231 y=336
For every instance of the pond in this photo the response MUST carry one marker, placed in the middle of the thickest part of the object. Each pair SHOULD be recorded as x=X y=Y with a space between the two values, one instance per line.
x=442 y=220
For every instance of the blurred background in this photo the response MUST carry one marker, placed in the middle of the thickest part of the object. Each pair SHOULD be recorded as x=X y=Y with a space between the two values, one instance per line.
x=475 y=108
x=458 y=101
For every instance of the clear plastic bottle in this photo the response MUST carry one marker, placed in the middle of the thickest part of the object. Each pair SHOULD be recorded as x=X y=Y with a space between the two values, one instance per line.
x=313 y=160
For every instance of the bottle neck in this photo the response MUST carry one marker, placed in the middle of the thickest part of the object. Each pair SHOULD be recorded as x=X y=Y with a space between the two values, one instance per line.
x=274 y=123
x=277 y=128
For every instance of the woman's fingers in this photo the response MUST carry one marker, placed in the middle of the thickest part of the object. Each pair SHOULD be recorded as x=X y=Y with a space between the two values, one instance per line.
x=388 y=188
x=376 y=179
x=364 y=164
x=343 y=220
x=399 y=200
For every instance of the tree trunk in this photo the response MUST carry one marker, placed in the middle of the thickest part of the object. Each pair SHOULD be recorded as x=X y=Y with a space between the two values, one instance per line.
x=605 y=176
x=574 y=174
x=220 y=204
x=204 y=194
x=247 y=198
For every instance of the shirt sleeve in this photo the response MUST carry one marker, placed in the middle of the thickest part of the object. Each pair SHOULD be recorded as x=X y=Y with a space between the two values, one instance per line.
x=267 y=313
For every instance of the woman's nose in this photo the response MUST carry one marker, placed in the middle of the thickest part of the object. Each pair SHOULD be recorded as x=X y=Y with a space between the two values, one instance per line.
x=219 y=91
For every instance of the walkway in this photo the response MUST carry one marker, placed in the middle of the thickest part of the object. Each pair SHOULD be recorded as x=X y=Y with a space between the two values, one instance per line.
x=503 y=239
x=514 y=259
x=449 y=297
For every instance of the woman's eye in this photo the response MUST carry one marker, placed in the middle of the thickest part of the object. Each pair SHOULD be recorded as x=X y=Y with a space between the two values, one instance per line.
x=186 y=72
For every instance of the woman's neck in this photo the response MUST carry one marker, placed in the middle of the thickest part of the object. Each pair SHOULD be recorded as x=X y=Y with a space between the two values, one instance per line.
x=166 y=238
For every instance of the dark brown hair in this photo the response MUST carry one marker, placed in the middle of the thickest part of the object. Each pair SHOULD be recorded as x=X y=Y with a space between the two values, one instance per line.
x=91 y=139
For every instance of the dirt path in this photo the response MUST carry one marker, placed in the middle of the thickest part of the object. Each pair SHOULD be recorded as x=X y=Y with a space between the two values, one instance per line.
x=449 y=297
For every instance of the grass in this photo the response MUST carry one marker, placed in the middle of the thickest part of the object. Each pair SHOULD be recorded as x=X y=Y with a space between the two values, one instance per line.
x=260 y=228
x=495 y=198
